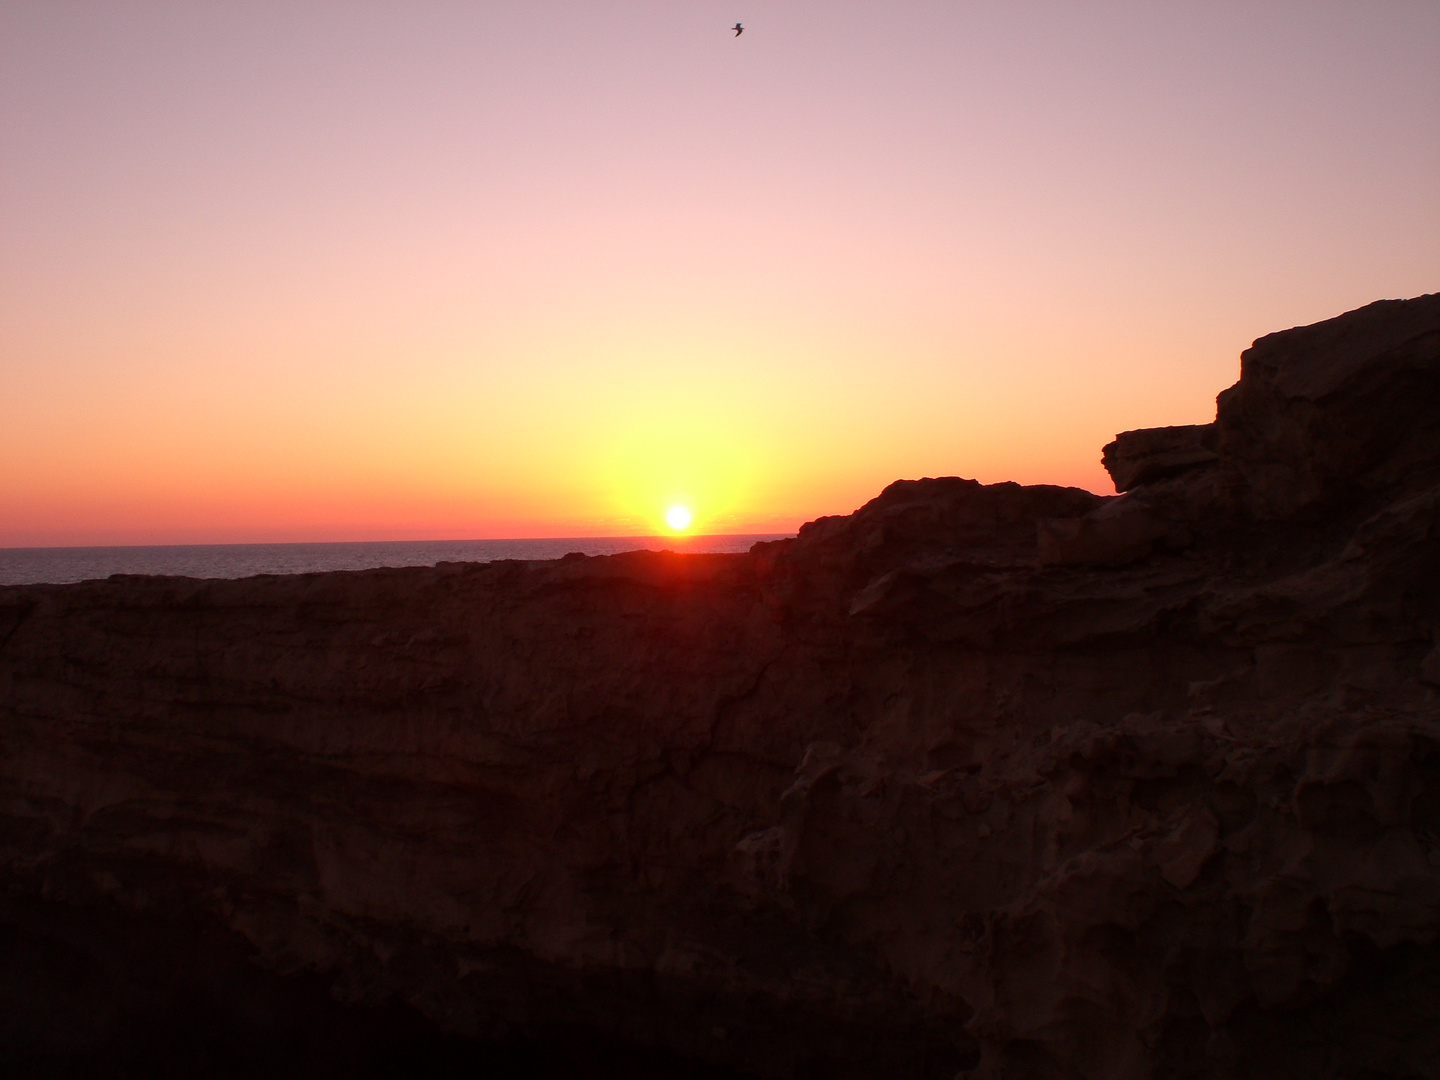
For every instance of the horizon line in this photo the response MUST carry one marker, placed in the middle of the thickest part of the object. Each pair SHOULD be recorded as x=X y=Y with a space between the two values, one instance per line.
x=447 y=540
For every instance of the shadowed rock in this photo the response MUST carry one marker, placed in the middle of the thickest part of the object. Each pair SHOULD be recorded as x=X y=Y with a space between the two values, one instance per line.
x=995 y=780
x=1150 y=454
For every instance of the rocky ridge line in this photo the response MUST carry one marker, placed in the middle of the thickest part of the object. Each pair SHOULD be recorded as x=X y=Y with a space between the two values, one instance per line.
x=994 y=781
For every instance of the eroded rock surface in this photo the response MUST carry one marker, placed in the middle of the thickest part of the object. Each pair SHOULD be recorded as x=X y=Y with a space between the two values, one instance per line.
x=997 y=781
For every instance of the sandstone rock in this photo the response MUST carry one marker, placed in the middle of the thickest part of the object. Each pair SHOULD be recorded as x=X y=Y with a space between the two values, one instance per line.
x=1149 y=454
x=1119 y=532
x=983 y=780
x=1338 y=411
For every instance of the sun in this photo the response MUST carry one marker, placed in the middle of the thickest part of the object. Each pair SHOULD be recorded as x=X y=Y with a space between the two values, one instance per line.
x=678 y=518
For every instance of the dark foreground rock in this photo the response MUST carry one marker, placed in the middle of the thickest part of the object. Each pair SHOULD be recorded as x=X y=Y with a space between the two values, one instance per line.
x=993 y=781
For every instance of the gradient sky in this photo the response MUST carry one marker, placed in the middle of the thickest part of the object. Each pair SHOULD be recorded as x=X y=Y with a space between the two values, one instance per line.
x=320 y=270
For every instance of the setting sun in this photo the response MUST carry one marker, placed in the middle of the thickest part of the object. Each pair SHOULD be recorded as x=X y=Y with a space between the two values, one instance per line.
x=678 y=518
x=538 y=270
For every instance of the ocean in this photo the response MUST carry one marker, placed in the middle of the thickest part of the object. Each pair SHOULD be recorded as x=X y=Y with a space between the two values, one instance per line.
x=30 y=566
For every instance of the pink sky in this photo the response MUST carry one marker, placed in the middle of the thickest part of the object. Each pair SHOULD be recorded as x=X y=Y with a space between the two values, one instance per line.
x=290 y=271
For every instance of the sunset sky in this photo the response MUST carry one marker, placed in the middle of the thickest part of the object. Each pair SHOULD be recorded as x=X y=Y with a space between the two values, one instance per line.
x=338 y=271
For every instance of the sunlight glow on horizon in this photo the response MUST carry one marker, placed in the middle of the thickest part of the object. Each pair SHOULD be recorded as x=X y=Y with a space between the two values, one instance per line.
x=434 y=271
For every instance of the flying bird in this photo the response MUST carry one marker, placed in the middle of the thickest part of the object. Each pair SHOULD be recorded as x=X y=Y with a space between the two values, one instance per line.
x=738 y=29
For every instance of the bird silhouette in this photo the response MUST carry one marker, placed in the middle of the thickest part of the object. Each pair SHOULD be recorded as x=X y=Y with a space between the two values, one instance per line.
x=738 y=29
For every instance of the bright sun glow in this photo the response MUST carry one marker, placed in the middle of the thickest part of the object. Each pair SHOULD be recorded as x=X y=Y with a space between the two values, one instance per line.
x=678 y=518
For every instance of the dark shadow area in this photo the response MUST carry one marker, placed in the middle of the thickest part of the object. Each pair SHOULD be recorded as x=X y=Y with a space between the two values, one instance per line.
x=1384 y=1011
x=97 y=994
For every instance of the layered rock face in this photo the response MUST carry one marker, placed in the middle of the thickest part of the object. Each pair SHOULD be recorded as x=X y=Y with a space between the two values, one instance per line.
x=992 y=781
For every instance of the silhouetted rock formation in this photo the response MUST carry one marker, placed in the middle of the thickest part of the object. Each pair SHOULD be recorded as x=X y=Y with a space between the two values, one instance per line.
x=1005 y=781
x=1150 y=454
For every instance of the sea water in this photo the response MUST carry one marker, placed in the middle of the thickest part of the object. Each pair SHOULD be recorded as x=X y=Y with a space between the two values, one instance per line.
x=29 y=566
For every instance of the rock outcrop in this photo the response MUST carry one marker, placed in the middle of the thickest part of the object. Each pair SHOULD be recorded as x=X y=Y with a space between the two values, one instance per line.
x=994 y=781
x=1150 y=454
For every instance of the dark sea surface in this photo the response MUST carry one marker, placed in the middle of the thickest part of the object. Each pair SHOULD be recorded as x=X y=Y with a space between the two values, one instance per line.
x=29 y=566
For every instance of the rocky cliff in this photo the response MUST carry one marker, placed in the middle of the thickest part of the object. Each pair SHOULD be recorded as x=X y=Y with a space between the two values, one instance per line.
x=995 y=781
